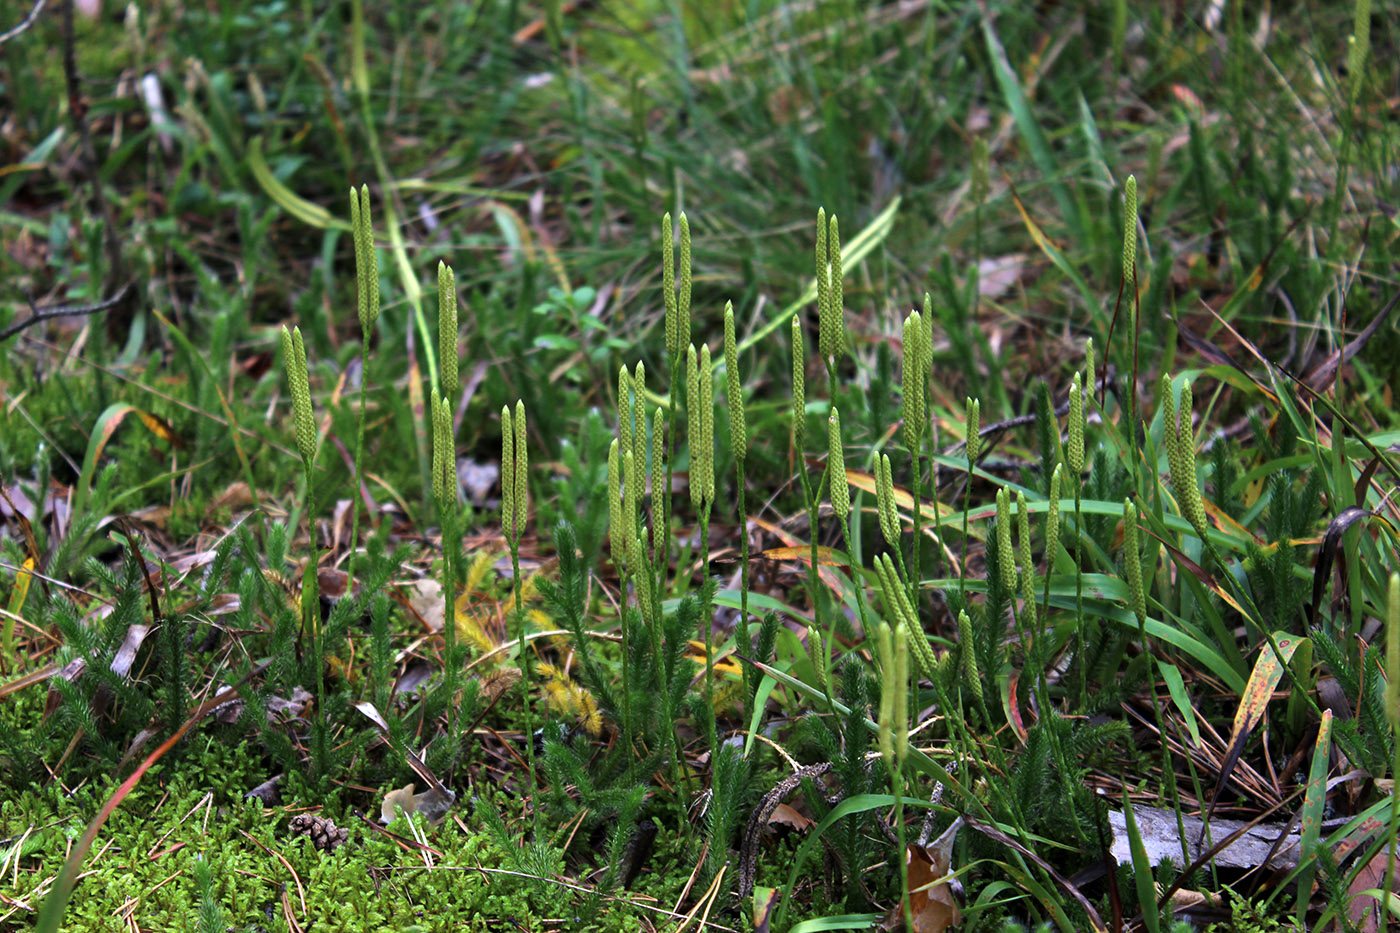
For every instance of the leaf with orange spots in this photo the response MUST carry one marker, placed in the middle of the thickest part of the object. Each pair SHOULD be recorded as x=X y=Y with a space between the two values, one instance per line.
x=1314 y=803
x=1268 y=670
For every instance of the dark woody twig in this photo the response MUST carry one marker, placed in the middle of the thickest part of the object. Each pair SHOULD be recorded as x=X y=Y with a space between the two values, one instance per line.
x=24 y=24
x=44 y=314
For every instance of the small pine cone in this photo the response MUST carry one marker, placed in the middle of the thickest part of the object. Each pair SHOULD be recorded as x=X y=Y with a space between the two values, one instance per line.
x=325 y=835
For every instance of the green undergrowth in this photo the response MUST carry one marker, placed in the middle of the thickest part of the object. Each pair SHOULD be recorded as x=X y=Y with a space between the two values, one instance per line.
x=1106 y=521
x=192 y=812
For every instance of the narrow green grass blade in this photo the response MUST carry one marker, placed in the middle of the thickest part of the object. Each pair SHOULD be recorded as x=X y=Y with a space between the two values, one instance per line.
x=1029 y=128
x=1171 y=634
x=918 y=758
x=203 y=364
x=841 y=922
x=765 y=690
x=1097 y=158
x=33 y=160
x=1043 y=897
x=860 y=803
x=1177 y=688
x=1142 y=869
x=408 y=279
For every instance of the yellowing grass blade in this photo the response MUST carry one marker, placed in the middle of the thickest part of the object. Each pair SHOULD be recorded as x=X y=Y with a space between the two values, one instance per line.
x=309 y=213
x=107 y=424
x=17 y=596
x=21 y=589
x=1314 y=800
x=903 y=500
x=1268 y=670
x=825 y=555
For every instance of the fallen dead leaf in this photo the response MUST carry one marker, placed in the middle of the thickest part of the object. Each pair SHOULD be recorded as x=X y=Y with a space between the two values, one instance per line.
x=288 y=708
x=432 y=804
x=1363 y=907
x=932 y=901
x=399 y=798
x=266 y=791
x=784 y=815
x=425 y=598
x=235 y=496
x=331 y=583
x=997 y=275
x=494 y=684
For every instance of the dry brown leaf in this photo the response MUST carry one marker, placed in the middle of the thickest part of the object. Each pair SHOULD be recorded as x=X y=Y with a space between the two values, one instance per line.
x=155 y=516
x=1364 y=909
x=195 y=561
x=400 y=797
x=224 y=604
x=425 y=598
x=285 y=708
x=235 y=496
x=1184 y=900
x=997 y=275
x=432 y=804
x=498 y=682
x=932 y=901
x=331 y=583
x=784 y=815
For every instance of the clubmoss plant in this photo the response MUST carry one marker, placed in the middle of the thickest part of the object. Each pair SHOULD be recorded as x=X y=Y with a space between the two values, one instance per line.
x=294 y=352
x=445 y=494
x=677 y=304
x=367 y=303
x=972 y=446
x=659 y=495
x=840 y=493
x=1181 y=454
x=1006 y=558
x=515 y=505
x=739 y=445
x=1129 y=283
x=902 y=609
x=831 y=343
x=894 y=734
x=700 y=412
x=811 y=496
x=1074 y=458
x=914 y=412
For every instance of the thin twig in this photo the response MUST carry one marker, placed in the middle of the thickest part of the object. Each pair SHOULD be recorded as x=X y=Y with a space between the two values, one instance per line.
x=44 y=314
x=997 y=427
x=25 y=23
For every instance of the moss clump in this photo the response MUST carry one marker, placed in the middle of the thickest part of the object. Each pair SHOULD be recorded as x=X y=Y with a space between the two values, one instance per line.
x=143 y=864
